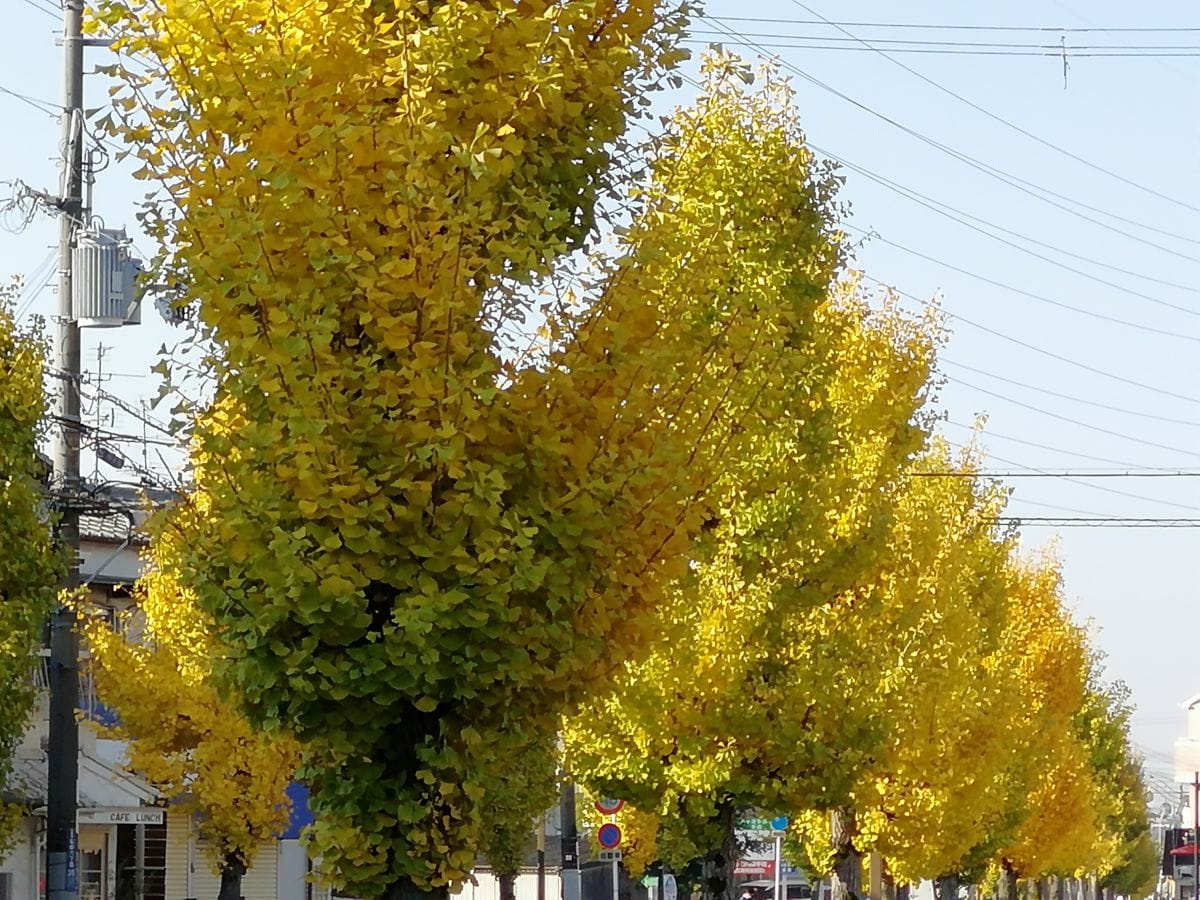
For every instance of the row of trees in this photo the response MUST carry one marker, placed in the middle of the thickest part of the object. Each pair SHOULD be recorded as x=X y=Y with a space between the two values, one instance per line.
x=512 y=421
x=857 y=642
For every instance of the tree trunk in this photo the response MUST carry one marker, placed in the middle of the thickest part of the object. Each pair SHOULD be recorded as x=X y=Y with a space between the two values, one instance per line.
x=232 y=870
x=888 y=884
x=1006 y=882
x=718 y=863
x=508 y=886
x=847 y=861
x=1054 y=886
x=946 y=887
x=903 y=892
x=406 y=890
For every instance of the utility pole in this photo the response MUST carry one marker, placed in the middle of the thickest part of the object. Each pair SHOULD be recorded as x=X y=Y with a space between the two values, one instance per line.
x=541 y=858
x=569 y=846
x=61 y=839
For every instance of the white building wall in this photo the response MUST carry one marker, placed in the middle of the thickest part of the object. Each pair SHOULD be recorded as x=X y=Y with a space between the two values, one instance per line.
x=487 y=886
x=190 y=875
x=291 y=871
x=23 y=861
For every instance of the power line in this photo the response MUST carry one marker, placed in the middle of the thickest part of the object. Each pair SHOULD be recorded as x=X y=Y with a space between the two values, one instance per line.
x=941 y=26
x=1081 y=424
x=1056 y=507
x=40 y=105
x=944 y=209
x=747 y=41
x=1069 y=473
x=1074 y=13
x=1072 y=398
x=40 y=8
x=46 y=273
x=1039 y=446
x=1034 y=348
x=1030 y=188
x=1041 y=298
x=1051 y=49
x=1117 y=492
x=1034 y=471
x=1096 y=522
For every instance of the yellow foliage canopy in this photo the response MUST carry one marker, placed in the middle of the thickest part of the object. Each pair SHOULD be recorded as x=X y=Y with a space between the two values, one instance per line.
x=752 y=697
x=183 y=736
x=30 y=564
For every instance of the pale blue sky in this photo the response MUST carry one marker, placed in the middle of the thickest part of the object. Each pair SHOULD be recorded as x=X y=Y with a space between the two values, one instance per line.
x=1132 y=116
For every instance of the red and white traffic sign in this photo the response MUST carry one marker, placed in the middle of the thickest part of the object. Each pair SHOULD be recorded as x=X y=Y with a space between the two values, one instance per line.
x=608 y=807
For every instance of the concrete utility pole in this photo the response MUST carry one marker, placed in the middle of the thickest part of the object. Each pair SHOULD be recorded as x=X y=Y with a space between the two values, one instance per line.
x=61 y=838
x=569 y=844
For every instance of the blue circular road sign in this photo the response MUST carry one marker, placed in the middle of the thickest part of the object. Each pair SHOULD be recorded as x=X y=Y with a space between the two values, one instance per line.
x=609 y=836
x=779 y=823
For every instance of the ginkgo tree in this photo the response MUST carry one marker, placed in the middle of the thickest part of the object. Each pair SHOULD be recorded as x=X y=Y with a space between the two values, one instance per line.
x=181 y=734
x=412 y=545
x=1120 y=799
x=1054 y=825
x=515 y=804
x=757 y=711
x=933 y=611
x=31 y=565
x=984 y=767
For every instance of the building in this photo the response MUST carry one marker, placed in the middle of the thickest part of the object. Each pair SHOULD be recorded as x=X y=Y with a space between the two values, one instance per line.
x=119 y=815
x=122 y=820
x=1179 y=870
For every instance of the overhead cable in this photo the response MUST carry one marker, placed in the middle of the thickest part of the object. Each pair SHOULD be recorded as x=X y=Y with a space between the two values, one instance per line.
x=958 y=317
x=1105 y=406
x=953 y=213
x=1041 y=298
x=942 y=26
x=1025 y=186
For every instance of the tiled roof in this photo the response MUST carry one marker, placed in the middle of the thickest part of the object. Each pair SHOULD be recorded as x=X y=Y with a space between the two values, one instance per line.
x=110 y=529
x=30 y=781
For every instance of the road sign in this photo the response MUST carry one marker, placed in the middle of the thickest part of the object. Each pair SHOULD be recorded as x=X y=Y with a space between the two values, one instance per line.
x=670 y=888
x=609 y=836
x=609 y=807
x=763 y=868
x=779 y=823
x=611 y=855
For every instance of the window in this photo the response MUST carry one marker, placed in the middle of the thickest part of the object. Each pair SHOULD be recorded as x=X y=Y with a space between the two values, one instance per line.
x=154 y=869
x=91 y=875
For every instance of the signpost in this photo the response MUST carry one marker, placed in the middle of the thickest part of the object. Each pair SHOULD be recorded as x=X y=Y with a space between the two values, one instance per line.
x=754 y=824
x=761 y=868
x=779 y=825
x=609 y=837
